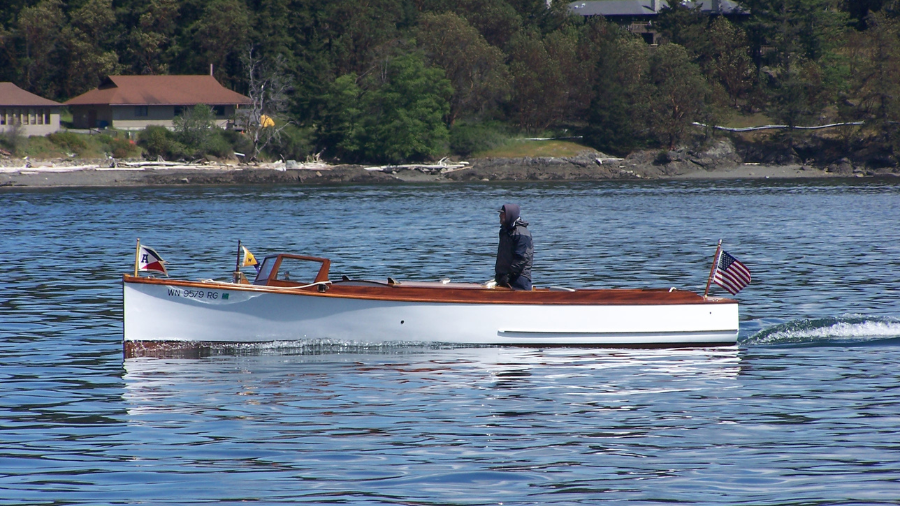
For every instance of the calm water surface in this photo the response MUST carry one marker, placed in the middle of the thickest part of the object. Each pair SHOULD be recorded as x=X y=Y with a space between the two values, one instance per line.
x=805 y=410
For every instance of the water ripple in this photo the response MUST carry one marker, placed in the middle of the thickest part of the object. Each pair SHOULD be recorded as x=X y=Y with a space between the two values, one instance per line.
x=802 y=411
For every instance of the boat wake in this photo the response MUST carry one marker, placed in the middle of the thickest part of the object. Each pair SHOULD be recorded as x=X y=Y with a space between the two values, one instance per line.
x=846 y=330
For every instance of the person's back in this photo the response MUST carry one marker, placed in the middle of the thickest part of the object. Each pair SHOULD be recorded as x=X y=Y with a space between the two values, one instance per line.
x=515 y=251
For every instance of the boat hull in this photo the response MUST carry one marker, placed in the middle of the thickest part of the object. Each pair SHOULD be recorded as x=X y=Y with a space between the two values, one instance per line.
x=197 y=312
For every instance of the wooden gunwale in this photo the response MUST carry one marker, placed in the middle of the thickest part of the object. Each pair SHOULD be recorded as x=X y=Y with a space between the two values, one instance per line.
x=400 y=293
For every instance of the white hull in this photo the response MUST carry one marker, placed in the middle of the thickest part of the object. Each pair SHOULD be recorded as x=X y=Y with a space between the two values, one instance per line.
x=225 y=313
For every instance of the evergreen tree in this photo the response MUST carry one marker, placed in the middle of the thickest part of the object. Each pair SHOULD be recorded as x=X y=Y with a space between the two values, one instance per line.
x=43 y=56
x=618 y=112
x=217 y=39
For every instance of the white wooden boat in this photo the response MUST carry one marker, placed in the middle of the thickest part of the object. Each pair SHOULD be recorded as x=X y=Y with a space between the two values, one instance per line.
x=277 y=306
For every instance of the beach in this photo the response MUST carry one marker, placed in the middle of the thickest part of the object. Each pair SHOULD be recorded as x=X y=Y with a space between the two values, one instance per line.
x=588 y=166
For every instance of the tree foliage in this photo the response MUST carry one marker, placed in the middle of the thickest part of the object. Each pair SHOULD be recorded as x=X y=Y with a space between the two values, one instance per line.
x=476 y=70
x=393 y=115
x=385 y=80
x=678 y=94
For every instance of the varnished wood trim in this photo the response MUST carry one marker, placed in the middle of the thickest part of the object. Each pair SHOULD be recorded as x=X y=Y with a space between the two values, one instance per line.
x=401 y=293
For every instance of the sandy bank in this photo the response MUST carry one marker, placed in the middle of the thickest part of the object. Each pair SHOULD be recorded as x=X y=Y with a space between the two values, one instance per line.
x=718 y=162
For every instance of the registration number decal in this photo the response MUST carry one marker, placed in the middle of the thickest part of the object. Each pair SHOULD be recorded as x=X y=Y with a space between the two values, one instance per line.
x=188 y=293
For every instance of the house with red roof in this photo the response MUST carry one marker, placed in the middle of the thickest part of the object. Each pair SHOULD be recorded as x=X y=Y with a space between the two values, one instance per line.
x=34 y=115
x=135 y=102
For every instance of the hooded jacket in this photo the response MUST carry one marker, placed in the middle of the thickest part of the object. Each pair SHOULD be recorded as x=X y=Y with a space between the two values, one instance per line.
x=515 y=252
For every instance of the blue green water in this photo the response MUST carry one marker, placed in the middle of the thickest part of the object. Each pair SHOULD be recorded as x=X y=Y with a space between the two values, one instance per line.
x=803 y=411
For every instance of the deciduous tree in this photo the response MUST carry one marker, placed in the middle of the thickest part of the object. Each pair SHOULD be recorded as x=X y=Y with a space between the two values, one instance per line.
x=90 y=43
x=152 y=38
x=405 y=111
x=268 y=86
x=679 y=94
x=539 y=87
x=476 y=69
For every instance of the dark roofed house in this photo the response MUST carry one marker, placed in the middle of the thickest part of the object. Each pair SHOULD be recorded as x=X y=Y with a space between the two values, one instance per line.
x=637 y=15
x=135 y=102
x=35 y=115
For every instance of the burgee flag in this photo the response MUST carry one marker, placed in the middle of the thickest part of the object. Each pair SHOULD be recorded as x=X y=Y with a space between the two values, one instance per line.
x=249 y=259
x=149 y=260
x=731 y=274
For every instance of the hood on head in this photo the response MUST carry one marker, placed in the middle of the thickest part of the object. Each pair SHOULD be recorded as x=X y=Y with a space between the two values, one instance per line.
x=512 y=214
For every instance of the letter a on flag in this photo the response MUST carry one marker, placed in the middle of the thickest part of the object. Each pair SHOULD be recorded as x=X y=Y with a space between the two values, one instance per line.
x=149 y=260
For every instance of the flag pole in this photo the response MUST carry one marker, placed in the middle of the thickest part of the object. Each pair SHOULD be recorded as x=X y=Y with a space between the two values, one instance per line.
x=237 y=265
x=137 y=254
x=712 y=269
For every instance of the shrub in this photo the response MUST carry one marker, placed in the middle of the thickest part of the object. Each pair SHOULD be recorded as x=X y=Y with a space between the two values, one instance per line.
x=123 y=148
x=158 y=141
x=238 y=141
x=293 y=143
x=466 y=138
x=195 y=128
x=13 y=139
x=69 y=141
x=217 y=145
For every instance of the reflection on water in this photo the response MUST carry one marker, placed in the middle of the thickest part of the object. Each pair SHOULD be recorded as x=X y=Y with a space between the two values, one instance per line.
x=802 y=411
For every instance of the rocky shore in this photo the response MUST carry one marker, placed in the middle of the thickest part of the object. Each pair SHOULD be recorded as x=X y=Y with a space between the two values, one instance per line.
x=720 y=161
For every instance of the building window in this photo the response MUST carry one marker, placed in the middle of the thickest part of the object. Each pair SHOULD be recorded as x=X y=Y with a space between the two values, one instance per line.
x=179 y=110
x=141 y=111
x=219 y=110
x=2 y=116
x=46 y=116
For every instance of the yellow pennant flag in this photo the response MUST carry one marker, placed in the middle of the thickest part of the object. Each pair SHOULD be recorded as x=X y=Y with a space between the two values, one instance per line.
x=249 y=259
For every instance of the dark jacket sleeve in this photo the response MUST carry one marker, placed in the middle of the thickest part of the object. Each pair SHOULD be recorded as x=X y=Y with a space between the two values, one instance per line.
x=520 y=255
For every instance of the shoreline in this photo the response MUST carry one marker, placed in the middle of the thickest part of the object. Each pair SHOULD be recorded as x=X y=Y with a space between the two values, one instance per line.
x=589 y=166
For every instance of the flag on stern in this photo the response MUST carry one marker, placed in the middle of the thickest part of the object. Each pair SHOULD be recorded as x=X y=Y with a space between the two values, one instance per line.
x=249 y=259
x=149 y=260
x=731 y=274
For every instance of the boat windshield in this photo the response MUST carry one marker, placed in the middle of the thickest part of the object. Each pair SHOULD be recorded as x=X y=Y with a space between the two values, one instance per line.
x=264 y=271
x=294 y=269
x=297 y=270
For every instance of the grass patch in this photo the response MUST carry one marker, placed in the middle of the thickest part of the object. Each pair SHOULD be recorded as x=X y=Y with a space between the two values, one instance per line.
x=520 y=148
x=71 y=145
x=735 y=119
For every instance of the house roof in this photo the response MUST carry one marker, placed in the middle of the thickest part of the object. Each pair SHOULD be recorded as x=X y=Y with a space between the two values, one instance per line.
x=160 y=90
x=645 y=7
x=12 y=95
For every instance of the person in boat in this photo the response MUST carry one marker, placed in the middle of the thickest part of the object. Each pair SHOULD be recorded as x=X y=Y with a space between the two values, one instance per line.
x=515 y=252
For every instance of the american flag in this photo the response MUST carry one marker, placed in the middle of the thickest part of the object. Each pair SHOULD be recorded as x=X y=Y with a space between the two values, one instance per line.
x=731 y=274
